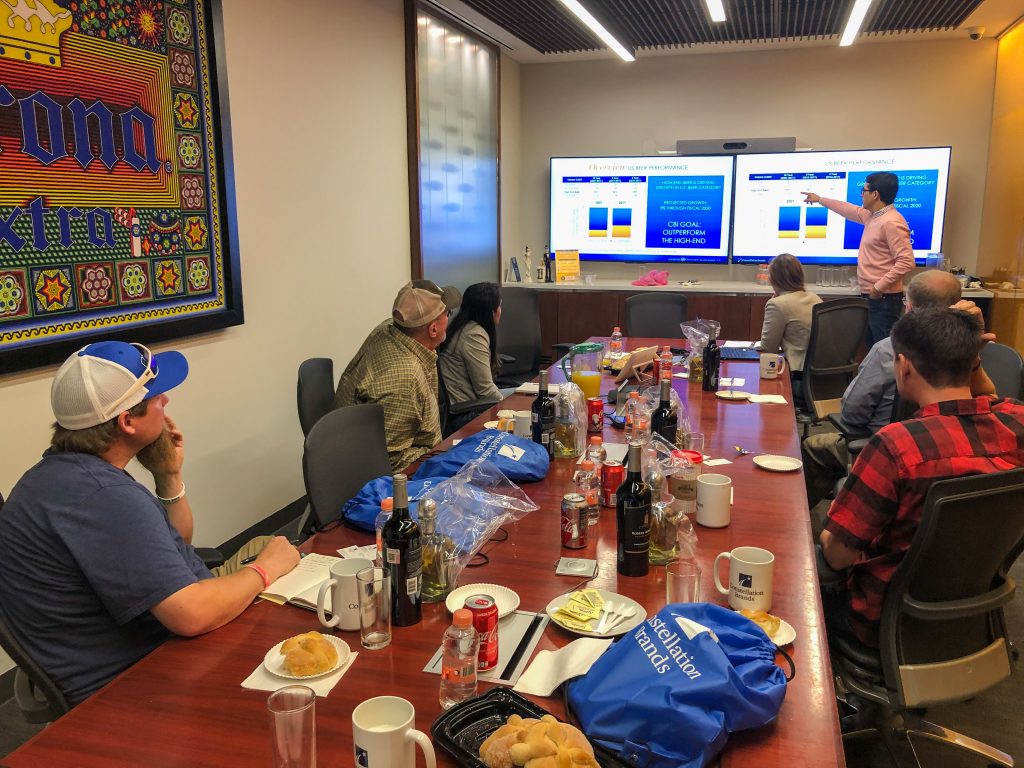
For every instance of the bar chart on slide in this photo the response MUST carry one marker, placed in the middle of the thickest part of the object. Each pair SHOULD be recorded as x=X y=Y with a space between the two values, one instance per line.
x=816 y=223
x=789 y=221
x=598 y=222
x=622 y=219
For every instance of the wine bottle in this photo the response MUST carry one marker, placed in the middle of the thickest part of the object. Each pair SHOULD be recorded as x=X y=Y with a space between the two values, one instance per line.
x=542 y=416
x=663 y=421
x=712 y=361
x=633 y=518
x=403 y=558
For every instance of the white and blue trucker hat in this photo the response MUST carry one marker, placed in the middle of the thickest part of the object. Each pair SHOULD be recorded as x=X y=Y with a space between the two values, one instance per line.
x=103 y=379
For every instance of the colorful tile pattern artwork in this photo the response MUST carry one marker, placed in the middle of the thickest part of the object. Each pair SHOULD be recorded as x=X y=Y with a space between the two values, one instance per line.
x=112 y=210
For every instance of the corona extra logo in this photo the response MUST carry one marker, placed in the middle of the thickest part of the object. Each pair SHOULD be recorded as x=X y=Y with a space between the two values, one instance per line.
x=30 y=30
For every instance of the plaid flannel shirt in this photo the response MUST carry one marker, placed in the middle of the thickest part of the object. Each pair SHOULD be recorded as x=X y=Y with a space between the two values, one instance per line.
x=401 y=374
x=879 y=506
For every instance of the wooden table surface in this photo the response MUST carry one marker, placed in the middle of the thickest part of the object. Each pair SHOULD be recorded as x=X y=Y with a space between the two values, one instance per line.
x=184 y=705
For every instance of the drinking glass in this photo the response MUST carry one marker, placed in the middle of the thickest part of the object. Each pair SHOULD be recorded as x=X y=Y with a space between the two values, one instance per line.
x=692 y=441
x=292 y=714
x=682 y=582
x=374 y=608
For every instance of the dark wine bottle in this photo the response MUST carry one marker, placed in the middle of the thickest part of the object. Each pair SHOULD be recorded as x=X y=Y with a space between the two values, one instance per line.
x=403 y=558
x=542 y=416
x=633 y=518
x=663 y=420
x=712 y=362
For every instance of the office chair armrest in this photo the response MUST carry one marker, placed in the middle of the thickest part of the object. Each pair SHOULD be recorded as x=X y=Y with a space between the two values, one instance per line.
x=506 y=359
x=210 y=556
x=457 y=409
x=849 y=432
x=957 y=609
x=856 y=446
x=561 y=349
x=34 y=706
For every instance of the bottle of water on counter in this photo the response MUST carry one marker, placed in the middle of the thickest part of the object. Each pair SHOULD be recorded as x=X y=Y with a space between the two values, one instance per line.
x=459 y=650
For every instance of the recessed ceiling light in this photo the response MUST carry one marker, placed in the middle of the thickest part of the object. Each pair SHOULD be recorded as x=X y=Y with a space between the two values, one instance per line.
x=598 y=29
x=716 y=10
x=853 y=24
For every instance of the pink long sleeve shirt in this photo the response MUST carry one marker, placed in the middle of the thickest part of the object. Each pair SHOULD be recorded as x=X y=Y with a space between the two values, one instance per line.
x=885 y=254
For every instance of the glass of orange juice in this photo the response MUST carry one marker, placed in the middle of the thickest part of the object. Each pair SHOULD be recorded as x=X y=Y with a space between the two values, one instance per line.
x=585 y=362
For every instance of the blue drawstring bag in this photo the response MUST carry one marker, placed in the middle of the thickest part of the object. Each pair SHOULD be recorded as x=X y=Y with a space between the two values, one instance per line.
x=670 y=692
x=519 y=459
x=362 y=509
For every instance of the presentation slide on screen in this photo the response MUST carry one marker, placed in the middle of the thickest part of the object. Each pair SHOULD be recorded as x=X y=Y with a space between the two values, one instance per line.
x=772 y=218
x=643 y=209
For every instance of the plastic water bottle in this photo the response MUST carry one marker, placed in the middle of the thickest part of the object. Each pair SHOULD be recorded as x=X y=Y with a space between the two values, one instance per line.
x=459 y=650
x=665 y=369
x=589 y=487
x=638 y=419
x=615 y=345
x=596 y=453
x=387 y=504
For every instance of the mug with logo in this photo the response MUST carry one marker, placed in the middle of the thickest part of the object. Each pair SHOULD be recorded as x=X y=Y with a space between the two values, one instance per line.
x=344 y=603
x=772 y=365
x=750 y=578
x=383 y=734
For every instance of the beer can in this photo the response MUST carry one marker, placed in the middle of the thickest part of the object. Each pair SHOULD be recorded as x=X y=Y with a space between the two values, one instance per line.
x=485 y=622
x=575 y=521
x=595 y=415
x=613 y=474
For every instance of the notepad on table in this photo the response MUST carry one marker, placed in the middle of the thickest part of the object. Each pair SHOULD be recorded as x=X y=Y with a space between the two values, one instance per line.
x=532 y=387
x=301 y=585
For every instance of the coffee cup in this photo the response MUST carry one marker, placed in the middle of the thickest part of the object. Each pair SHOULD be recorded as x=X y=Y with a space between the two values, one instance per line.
x=750 y=578
x=772 y=365
x=383 y=734
x=714 y=499
x=524 y=424
x=344 y=594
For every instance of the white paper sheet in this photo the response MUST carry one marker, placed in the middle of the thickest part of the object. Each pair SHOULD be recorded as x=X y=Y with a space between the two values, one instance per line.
x=550 y=669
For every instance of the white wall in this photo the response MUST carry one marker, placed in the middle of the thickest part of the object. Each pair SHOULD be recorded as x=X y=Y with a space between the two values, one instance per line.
x=510 y=134
x=868 y=95
x=319 y=136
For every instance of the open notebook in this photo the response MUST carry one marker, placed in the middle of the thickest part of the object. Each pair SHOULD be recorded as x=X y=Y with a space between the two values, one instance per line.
x=302 y=585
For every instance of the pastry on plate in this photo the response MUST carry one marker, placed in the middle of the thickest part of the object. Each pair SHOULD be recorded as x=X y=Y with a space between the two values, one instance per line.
x=308 y=654
x=770 y=624
x=531 y=743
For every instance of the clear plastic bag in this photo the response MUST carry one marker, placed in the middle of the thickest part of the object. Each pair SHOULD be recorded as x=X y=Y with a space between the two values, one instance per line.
x=652 y=398
x=570 y=422
x=697 y=333
x=472 y=505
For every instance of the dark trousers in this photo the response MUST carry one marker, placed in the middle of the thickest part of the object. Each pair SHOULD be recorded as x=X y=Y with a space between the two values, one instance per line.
x=882 y=316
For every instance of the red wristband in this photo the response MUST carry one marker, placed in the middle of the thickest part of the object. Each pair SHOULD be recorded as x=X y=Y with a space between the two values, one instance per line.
x=261 y=572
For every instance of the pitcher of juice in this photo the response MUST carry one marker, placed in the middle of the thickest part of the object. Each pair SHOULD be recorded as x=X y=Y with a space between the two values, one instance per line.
x=585 y=368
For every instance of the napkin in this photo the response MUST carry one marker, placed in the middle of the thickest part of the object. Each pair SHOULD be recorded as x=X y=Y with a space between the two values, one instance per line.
x=552 y=668
x=532 y=388
x=368 y=552
x=263 y=680
x=777 y=399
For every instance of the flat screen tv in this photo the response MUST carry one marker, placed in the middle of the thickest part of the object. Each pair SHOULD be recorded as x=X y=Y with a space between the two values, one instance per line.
x=771 y=216
x=671 y=209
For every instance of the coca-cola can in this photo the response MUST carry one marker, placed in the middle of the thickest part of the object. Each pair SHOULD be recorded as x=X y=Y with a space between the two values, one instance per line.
x=485 y=622
x=575 y=521
x=595 y=415
x=613 y=474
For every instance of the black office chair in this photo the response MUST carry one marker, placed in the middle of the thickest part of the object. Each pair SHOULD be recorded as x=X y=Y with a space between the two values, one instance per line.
x=837 y=328
x=343 y=451
x=37 y=696
x=1004 y=366
x=314 y=391
x=454 y=416
x=518 y=336
x=655 y=314
x=943 y=636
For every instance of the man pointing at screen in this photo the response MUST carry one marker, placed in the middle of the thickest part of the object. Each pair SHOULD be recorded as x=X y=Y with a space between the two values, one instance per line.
x=886 y=254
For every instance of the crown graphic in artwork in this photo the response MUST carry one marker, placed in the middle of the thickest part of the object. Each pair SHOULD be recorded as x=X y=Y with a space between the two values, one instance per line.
x=30 y=30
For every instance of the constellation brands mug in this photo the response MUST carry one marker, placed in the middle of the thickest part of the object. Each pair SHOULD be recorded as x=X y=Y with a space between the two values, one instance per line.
x=344 y=592
x=772 y=365
x=750 y=578
x=383 y=734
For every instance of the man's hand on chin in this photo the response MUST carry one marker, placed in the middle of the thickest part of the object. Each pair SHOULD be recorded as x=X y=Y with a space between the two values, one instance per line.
x=165 y=456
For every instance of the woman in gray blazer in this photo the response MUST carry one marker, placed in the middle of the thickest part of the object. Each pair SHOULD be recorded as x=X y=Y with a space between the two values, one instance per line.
x=787 y=316
x=469 y=357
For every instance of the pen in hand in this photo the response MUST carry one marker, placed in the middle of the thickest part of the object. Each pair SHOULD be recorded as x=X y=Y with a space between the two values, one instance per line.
x=252 y=558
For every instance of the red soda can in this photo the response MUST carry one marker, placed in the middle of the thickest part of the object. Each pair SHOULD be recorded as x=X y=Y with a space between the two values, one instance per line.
x=485 y=622
x=575 y=521
x=595 y=415
x=613 y=474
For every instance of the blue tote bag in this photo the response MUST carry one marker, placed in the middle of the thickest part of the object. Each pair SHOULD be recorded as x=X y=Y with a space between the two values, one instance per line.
x=519 y=459
x=362 y=509
x=669 y=693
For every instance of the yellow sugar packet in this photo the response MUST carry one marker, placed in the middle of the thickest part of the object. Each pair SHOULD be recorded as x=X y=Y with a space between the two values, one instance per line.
x=593 y=596
x=570 y=623
x=581 y=611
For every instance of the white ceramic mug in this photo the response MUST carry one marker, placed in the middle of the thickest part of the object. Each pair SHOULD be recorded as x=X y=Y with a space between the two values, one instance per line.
x=750 y=578
x=344 y=595
x=383 y=734
x=772 y=365
x=714 y=499
x=524 y=424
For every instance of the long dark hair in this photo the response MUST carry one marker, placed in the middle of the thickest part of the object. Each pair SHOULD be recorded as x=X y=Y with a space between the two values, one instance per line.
x=479 y=302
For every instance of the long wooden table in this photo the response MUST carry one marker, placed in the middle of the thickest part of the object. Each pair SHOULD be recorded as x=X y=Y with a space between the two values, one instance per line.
x=184 y=705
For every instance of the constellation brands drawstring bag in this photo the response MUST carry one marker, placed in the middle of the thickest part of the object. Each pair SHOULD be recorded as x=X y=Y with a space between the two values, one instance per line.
x=670 y=692
x=519 y=459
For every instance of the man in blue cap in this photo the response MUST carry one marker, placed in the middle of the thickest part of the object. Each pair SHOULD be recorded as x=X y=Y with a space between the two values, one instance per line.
x=95 y=572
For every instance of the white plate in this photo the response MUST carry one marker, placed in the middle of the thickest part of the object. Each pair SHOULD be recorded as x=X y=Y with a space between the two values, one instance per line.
x=732 y=394
x=620 y=601
x=778 y=463
x=491 y=424
x=506 y=599
x=785 y=634
x=274 y=660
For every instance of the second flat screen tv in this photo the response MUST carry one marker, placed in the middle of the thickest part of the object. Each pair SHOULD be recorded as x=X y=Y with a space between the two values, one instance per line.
x=771 y=216
x=642 y=209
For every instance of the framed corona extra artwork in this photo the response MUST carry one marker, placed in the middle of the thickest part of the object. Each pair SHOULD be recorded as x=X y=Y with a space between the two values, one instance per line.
x=116 y=193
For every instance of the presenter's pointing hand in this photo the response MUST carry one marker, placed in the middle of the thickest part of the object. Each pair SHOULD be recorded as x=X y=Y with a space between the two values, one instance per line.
x=810 y=197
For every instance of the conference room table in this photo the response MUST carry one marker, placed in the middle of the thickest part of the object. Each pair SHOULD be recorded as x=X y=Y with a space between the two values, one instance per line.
x=183 y=704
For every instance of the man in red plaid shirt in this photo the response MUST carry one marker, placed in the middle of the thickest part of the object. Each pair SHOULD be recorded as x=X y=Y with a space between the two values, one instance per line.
x=874 y=517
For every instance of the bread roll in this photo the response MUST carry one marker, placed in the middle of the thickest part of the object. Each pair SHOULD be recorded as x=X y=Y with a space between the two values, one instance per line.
x=544 y=743
x=308 y=654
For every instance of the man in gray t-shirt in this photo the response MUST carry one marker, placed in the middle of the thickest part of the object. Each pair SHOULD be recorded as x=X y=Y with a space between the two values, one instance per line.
x=96 y=571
